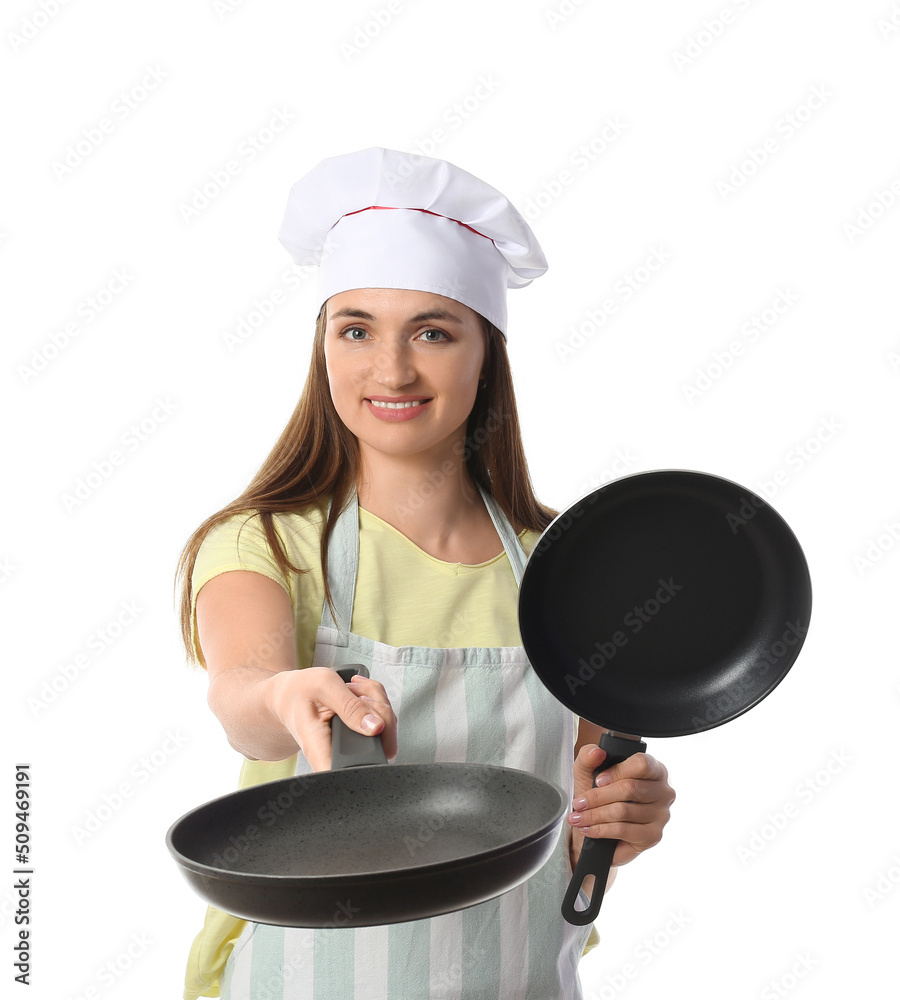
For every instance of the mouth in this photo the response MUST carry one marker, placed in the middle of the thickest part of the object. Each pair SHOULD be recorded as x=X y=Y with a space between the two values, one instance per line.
x=397 y=402
x=394 y=408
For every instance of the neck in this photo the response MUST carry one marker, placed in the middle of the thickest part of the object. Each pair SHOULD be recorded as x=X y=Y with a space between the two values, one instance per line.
x=433 y=502
x=400 y=490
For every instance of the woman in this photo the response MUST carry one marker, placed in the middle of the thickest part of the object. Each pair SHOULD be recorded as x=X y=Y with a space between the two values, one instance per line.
x=397 y=507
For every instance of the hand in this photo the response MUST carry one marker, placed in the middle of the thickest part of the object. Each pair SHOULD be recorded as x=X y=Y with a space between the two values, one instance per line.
x=630 y=804
x=304 y=701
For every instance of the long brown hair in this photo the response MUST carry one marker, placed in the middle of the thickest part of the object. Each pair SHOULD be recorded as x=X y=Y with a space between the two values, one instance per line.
x=316 y=459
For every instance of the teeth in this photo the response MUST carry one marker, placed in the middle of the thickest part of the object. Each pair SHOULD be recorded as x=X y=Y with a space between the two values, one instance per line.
x=397 y=406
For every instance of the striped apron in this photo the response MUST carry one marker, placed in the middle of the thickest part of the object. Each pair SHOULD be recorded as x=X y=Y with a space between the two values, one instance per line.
x=472 y=705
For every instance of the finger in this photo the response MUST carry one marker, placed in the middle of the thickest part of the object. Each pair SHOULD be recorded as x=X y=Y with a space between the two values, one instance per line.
x=638 y=836
x=589 y=758
x=587 y=761
x=638 y=765
x=389 y=732
x=368 y=715
x=592 y=822
x=364 y=687
x=315 y=745
x=590 y=751
x=624 y=790
x=372 y=693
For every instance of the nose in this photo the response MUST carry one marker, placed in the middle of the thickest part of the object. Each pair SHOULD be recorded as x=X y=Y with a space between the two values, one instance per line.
x=393 y=366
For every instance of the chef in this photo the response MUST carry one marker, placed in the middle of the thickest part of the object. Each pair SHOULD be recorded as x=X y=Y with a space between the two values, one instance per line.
x=390 y=526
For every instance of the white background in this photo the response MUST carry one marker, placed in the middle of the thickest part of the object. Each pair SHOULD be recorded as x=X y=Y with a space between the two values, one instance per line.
x=776 y=876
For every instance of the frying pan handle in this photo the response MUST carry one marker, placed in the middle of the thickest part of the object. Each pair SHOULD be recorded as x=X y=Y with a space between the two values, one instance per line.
x=596 y=852
x=348 y=747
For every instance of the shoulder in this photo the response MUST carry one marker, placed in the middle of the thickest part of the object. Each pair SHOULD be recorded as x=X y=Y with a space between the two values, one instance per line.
x=240 y=541
x=248 y=528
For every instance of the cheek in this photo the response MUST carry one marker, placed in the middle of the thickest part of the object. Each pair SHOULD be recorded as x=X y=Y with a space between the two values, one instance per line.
x=340 y=375
x=467 y=382
x=337 y=388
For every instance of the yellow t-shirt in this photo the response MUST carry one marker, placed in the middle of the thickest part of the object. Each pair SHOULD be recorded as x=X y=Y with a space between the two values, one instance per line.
x=404 y=597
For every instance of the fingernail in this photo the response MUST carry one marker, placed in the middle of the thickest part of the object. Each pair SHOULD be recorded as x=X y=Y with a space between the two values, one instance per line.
x=370 y=722
x=580 y=803
x=602 y=779
x=575 y=818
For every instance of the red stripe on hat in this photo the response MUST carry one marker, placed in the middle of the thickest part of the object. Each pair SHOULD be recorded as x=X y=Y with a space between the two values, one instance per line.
x=425 y=210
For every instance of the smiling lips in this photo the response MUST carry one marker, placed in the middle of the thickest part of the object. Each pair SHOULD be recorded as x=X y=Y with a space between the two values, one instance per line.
x=395 y=408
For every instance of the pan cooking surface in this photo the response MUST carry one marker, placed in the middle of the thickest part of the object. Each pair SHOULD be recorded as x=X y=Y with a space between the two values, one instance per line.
x=664 y=603
x=368 y=821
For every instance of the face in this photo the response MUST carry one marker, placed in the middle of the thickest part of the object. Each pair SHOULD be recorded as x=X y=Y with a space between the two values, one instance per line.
x=403 y=367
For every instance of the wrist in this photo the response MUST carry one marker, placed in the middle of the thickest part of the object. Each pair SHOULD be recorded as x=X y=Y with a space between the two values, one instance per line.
x=274 y=697
x=262 y=732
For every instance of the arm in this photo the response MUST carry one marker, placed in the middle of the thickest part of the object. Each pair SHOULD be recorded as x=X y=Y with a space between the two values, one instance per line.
x=268 y=708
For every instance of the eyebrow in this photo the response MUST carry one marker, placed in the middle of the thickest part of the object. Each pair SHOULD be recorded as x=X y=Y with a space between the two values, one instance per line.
x=422 y=317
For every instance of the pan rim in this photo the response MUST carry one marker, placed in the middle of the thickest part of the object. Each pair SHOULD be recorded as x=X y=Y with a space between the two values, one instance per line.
x=647 y=474
x=369 y=878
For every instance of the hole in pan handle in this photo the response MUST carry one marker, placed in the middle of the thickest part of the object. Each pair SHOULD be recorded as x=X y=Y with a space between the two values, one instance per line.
x=348 y=747
x=597 y=853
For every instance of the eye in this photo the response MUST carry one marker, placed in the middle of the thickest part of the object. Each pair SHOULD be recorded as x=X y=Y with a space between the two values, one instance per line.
x=433 y=336
x=349 y=331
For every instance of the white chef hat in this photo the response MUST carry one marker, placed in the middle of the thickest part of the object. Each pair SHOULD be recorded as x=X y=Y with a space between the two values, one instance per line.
x=379 y=218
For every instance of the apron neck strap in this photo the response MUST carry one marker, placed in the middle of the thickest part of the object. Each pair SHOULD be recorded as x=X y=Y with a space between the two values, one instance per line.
x=511 y=544
x=343 y=558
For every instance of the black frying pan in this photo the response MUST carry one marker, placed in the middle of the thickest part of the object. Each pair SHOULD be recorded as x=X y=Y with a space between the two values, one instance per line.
x=359 y=846
x=662 y=604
